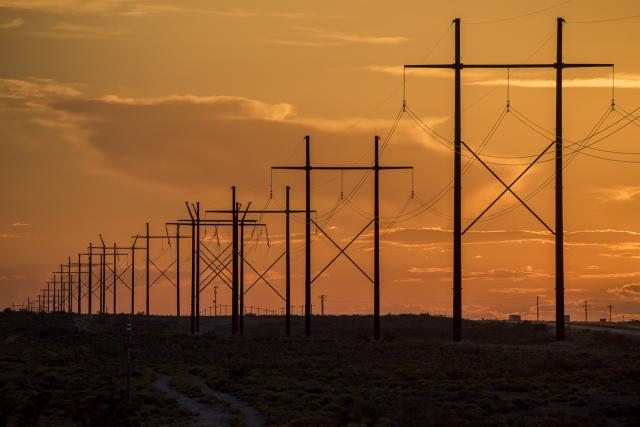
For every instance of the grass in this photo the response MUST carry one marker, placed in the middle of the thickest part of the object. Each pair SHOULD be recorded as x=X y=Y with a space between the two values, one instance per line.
x=502 y=374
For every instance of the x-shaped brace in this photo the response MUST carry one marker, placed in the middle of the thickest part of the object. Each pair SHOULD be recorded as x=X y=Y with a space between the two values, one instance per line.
x=507 y=188
x=163 y=273
x=342 y=251
x=261 y=276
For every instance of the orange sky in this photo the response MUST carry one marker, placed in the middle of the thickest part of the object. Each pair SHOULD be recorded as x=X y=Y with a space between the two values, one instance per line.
x=114 y=112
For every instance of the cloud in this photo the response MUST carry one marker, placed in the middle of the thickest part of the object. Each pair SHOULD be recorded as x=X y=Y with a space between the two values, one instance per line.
x=19 y=224
x=488 y=78
x=609 y=275
x=428 y=270
x=407 y=280
x=66 y=30
x=139 y=8
x=629 y=291
x=518 y=290
x=505 y=274
x=620 y=194
x=34 y=87
x=324 y=37
x=12 y=23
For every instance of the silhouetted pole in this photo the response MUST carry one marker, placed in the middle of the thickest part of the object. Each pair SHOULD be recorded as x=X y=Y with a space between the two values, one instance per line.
x=559 y=229
x=585 y=311
x=48 y=297
x=197 y=267
x=147 y=271
x=115 y=276
x=133 y=274
x=90 y=281
x=103 y=280
x=79 y=284
x=193 y=271
x=287 y=263
x=234 y=284
x=307 y=237
x=322 y=297
x=241 y=279
x=610 y=311
x=537 y=308
x=215 y=300
x=457 y=195
x=69 y=288
x=376 y=241
x=178 y=270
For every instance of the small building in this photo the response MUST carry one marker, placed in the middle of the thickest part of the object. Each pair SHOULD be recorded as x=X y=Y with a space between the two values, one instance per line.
x=567 y=318
x=603 y=320
x=515 y=318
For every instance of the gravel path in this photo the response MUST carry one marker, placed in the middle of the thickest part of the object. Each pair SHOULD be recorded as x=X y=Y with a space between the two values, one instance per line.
x=209 y=415
x=206 y=415
x=252 y=418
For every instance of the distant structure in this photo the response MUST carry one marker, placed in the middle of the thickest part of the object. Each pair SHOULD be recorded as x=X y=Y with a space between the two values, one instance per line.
x=515 y=318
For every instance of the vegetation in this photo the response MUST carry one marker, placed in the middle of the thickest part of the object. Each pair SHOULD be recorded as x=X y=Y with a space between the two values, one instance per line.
x=57 y=370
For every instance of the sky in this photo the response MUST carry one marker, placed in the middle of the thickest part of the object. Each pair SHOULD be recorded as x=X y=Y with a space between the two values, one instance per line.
x=116 y=112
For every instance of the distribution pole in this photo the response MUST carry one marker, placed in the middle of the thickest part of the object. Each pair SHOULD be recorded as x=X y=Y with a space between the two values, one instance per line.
x=178 y=270
x=103 y=280
x=457 y=194
x=234 y=287
x=287 y=263
x=79 y=284
x=322 y=297
x=537 y=308
x=215 y=300
x=197 y=265
x=376 y=241
x=560 y=333
x=147 y=272
x=48 y=302
x=585 y=311
x=610 y=310
x=115 y=276
x=133 y=274
x=307 y=238
x=69 y=288
x=90 y=281
x=241 y=280
x=193 y=270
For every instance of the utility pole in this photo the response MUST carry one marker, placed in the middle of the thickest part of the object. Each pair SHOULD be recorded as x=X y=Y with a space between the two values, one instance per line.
x=147 y=272
x=537 y=308
x=115 y=275
x=610 y=313
x=585 y=311
x=287 y=263
x=215 y=300
x=90 y=281
x=234 y=287
x=178 y=271
x=79 y=284
x=322 y=297
x=69 y=288
x=457 y=66
x=241 y=279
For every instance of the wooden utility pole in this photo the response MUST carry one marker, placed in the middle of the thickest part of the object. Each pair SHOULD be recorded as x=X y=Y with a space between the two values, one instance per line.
x=322 y=297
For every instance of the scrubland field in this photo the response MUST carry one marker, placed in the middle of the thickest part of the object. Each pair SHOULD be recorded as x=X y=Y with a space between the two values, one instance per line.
x=59 y=369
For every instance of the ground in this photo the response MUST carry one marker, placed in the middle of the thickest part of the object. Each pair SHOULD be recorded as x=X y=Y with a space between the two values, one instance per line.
x=59 y=369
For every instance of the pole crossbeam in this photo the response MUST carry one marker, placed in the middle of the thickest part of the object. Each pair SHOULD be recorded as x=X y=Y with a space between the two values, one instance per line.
x=457 y=66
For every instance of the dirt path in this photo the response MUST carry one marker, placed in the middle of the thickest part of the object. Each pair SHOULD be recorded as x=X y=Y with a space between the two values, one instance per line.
x=209 y=415
x=252 y=418
x=206 y=415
